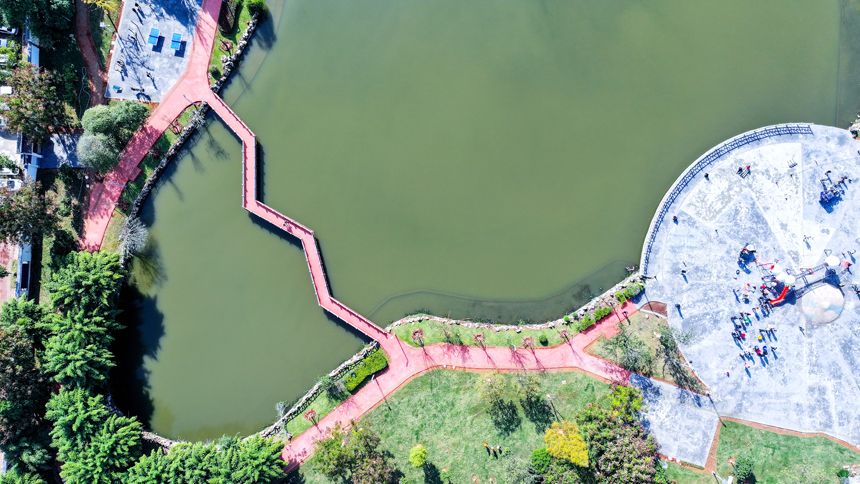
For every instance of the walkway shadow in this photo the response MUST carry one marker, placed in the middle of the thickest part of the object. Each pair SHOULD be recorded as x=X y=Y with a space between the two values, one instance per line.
x=282 y=234
x=349 y=329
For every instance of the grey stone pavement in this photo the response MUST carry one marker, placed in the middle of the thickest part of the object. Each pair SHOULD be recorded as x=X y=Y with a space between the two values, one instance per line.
x=811 y=382
x=165 y=64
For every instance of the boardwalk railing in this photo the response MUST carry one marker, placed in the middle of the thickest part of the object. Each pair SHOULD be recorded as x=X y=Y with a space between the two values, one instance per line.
x=713 y=155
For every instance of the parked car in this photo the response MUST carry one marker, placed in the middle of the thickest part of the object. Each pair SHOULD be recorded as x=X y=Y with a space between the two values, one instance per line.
x=8 y=31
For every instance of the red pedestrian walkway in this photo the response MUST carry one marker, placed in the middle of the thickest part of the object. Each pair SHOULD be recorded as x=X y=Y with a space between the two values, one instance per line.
x=405 y=362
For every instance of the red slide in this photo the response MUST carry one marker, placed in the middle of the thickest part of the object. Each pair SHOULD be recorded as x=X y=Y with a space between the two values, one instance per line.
x=781 y=297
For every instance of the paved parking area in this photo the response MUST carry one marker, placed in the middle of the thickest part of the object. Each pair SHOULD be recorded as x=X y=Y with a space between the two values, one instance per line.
x=810 y=381
x=144 y=71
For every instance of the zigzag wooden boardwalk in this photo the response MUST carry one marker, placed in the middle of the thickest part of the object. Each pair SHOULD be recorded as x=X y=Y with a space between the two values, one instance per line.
x=405 y=361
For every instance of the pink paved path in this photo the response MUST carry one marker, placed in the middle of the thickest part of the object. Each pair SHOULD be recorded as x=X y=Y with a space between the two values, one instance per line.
x=405 y=362
x=192 y=86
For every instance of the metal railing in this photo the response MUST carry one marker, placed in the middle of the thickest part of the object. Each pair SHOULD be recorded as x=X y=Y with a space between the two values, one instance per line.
x=713 y=155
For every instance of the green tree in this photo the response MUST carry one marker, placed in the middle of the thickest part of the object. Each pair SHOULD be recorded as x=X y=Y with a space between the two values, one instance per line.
x=117 y=121
x=630 y=352
x=256 y=460
x=258 y=7
x=110 y=6
x=564 y=442
x=26 y=314
x=492 y=388
x=519 y=471
x=353 y=456
x=150 y=469
x=34 y=107
x=14 y=477
x=25 y=214
x=24 y=390
x=89 y=282
x=192 y=463
x=620 y=452
x=744 y=467
x=73 y=360
x=49 y=19
x=104 y=460
x=3 y=272
x=77 y=415
x=626 y=401
x=98 y=151
x=418 y=455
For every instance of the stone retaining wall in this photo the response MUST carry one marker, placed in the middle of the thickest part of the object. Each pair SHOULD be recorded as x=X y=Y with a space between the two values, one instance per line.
x=607 y=299
x=309 y=397
x=229 y=63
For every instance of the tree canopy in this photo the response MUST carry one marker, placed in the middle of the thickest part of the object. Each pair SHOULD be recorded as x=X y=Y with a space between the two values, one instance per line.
x=97 y=151
x=33 y=105
x=107 y=129
x=353 y=456
x=89 y=281
x=564 y=442
x=48 y=19
x=23 y=391
x=25 y=214
x=227 y=461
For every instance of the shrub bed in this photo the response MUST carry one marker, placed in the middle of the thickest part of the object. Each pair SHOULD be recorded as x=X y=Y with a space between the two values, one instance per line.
x=375 y=361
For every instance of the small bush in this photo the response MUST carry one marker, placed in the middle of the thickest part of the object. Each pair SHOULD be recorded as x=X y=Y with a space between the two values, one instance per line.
x=744 y=468
x=257 y=7
x=374 y=362
x=541 y=460
x=843 y=473
x=566 y=318
x=418 y=455
x=563 y=441
x=215 y=72
x=543 y=340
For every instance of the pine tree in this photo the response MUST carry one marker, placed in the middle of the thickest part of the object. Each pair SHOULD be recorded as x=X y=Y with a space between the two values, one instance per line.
x=23 y=392
x=89 y=282
x=73 y=360
x=113 y=449
x=77 y=416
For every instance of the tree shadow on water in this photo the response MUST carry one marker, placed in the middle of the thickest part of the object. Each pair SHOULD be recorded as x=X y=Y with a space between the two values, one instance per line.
x=139 y=339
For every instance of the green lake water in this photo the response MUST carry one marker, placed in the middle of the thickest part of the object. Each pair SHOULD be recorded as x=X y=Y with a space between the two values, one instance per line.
x=486 y=159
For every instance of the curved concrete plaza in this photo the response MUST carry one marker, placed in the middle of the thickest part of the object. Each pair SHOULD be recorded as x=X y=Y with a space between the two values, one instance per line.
x=810 y=379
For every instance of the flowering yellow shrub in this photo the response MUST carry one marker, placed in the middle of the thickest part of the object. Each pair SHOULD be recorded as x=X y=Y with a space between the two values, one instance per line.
x=564 y=442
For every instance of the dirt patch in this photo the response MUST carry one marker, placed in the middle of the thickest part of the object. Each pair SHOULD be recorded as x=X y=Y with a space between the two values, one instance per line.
x=657 y=307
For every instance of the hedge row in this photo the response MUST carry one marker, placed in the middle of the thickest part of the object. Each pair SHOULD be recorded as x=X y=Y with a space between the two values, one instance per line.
x=629 y=292
x=589 y=319
x=375 y=361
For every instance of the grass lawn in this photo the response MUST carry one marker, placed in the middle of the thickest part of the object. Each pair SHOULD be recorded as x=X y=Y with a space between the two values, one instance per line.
x=102 y=36
x=434 y=332
x=111 y=240
x=441 y=410
x=771 y=452
x=644 y=327
x=54 y=187
x=133 y=189
x=243 y=16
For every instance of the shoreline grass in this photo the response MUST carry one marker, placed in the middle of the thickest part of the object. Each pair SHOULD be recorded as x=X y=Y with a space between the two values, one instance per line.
x=243 y=16
x=435 y=332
